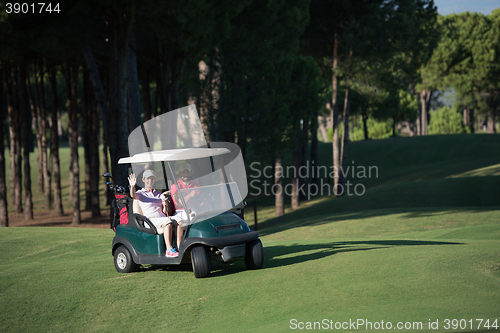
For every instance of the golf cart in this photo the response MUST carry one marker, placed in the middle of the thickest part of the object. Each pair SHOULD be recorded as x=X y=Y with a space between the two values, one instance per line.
x=214 y=229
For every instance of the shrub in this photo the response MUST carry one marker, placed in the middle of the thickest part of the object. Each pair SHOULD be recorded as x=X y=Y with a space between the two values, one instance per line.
x=377 y=129
x=446 y=121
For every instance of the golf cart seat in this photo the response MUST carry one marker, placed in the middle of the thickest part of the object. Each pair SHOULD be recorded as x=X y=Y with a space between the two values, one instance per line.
x=137 y=211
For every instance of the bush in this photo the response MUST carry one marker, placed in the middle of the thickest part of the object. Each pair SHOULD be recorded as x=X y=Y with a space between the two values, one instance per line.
x=377 y=129
x=446 y=121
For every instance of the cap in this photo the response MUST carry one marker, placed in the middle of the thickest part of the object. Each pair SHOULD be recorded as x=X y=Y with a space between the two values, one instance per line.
x=148 y=173
x=184 y=166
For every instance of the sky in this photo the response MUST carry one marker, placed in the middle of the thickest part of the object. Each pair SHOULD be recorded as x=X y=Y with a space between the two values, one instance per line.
x=445 y=7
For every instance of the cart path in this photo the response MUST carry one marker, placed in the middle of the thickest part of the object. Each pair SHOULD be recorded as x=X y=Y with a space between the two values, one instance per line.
x=47 y=218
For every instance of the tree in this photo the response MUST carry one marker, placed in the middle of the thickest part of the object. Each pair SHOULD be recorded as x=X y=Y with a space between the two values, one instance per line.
x=247 y=89
x=242 y=63
x=71 y=77
x=305 y=99
x=398 y=105
x=4 y=215
x=357 y=34
x=15 y=136
x=42 y=123
x=465 y=59
x=26 y=121
x=91 y=148
x=54 y=145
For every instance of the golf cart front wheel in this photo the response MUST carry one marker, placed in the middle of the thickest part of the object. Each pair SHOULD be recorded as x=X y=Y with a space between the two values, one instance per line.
x=200 y=261
x=254 y=258
x=123 y=260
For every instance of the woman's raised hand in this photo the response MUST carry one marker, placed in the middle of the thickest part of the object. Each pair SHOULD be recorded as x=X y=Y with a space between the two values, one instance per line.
x=132 y=180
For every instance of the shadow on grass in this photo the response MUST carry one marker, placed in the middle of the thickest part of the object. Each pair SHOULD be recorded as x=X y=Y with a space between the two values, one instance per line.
x=276 y=256
x=280 y=255
x=217 y=269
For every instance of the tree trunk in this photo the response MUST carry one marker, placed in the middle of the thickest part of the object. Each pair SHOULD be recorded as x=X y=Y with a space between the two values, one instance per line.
x=345 y=136
x=91 y=145
x=87 y=127
x=27 y=122
x=4 y=215
x=465 y=113
x=133 y=94
x=43 y=130
x=364 y=116
x=394 y=126
x=491 y=121
x=94 y=161
x=36 y=112
x=322 y=128
x=314 y=148
x=15 y=178
x=54 y=145
x=105 y=162
x=19 y=154
x=425 y=97
x=15 y=136
x=418 y=122
x=471 y=120
x=277 y=189
x=100 y=96
x=303 y=159
x=295 y=177
x=334 y=115
x=71 y=74
x=120 y=25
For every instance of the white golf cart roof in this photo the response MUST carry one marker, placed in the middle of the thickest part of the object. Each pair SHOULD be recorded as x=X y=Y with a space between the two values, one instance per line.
x=173 y=155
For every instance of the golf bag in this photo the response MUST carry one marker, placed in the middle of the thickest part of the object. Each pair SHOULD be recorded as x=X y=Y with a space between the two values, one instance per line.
x=120 y=207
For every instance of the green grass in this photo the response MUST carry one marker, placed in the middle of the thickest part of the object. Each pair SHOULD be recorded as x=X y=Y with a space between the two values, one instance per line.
x=422 y=244
x=398 y=266
x=430 y=171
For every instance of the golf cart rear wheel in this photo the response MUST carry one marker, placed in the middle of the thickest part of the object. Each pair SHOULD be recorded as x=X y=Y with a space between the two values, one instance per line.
x=254 y=258
x=200 y=261
x=123 y=260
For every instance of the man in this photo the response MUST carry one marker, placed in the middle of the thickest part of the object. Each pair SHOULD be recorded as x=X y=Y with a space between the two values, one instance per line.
x=153 y=207
x=185 y=182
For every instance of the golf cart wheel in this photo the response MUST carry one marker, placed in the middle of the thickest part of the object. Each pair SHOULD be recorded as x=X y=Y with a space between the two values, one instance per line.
x=123 y=261
x=200 y=261
x=254 y=258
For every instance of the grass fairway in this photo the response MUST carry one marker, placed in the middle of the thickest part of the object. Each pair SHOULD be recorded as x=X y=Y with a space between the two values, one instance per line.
x=422 y=245
x=414 y=271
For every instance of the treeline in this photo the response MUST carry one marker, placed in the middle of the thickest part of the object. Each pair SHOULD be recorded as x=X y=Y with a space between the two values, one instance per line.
x=263 y=74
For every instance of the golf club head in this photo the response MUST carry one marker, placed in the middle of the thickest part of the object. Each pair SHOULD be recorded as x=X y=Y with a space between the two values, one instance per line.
x=107 y=174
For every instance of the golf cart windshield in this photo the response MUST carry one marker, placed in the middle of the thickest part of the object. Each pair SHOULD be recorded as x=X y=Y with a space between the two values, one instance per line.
x=173 y=143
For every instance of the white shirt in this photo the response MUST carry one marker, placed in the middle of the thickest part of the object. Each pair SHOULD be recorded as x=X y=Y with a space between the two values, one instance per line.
x=150 y=202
